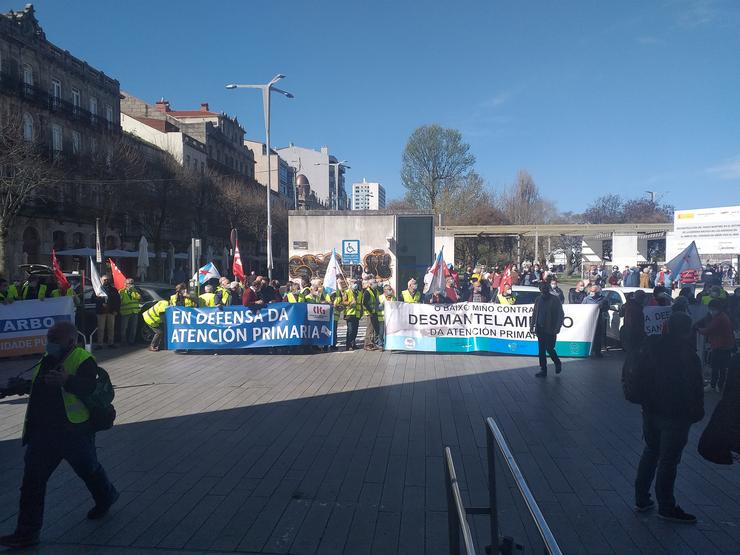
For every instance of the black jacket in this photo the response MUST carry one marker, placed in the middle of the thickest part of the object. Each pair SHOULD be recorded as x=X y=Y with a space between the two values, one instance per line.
x=552 y=314
x=110 y=305
x=674 y=386
x=576 y=297
x=46 y=406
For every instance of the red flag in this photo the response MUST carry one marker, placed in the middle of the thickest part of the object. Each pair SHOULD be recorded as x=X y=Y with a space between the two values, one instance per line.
x=119 y=280
x=236 y=266
x=506 y=278
x=58 y=274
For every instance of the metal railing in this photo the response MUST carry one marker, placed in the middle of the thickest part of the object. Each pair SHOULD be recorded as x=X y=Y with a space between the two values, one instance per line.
x=457 y=512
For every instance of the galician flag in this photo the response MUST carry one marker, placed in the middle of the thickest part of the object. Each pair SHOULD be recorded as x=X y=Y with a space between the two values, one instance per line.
x=206 y=272
x=435 y=280
x=687 y=259
x=333 y=271
x=95 y=280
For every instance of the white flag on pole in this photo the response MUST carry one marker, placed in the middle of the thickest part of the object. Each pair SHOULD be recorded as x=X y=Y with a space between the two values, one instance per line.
x=333 y=271
x=95 y=280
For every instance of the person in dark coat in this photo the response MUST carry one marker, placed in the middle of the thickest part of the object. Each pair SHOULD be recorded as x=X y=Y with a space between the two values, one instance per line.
x=547 y=319
x=57 y=428
x=633 y=328
x=107 y=307
x=673 y=400
x=578 y=293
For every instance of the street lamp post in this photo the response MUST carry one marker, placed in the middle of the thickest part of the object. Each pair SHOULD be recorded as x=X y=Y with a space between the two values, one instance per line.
x=336 y=177
x=266 y=89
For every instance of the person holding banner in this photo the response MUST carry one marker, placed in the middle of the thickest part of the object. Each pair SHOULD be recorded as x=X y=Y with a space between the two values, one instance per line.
x=7 y=295
x=335 y=299
x=154 y=318
x=295 y=295
x=411 y=295
x=387 y=296
x=547 y=319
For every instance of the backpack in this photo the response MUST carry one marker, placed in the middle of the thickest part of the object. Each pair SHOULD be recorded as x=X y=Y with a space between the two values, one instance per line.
x=100 y=402
x=636 y=375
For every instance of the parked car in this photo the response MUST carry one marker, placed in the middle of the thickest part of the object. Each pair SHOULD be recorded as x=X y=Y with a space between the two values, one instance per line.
x=617 y=296
x=525 y=294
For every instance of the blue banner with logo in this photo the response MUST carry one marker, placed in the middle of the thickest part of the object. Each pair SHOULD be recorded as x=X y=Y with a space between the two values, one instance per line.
x=240 y=327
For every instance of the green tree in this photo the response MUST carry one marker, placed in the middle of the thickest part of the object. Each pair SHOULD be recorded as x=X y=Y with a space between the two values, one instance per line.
x=436 y=164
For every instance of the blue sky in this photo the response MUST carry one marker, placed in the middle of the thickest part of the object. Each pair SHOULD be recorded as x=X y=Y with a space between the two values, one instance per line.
x=589 y=97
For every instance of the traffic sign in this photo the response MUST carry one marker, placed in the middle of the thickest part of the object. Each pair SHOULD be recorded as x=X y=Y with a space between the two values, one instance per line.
x=350 y=251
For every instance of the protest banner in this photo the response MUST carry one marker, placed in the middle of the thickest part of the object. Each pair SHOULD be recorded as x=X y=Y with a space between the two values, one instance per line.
x=657 y=316
x=470 y=327
x=23 y=324
x=239 y=327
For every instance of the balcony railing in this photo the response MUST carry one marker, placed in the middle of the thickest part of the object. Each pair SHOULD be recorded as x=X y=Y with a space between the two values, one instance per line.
x=44 y=100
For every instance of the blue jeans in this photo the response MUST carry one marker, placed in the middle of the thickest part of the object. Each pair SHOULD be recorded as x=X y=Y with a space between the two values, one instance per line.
x=45 y=450
x=129 y=324
x=665 y=439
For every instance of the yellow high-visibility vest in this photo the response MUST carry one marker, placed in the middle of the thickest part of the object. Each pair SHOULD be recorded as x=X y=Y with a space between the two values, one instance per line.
x=153 y=316
x=409 y=298
x=381 y=306
x=130 y=300
x=207 y=299
x=76 y=411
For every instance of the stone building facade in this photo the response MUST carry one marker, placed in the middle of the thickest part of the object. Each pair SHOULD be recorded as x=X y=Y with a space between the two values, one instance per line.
x=221 y=134
x=70 y=109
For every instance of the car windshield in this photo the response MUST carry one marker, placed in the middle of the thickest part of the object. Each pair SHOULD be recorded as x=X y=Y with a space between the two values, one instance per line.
x=526 y=297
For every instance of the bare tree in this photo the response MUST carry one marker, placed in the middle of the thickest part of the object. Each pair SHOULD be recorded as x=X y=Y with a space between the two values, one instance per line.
x=607 y=209
x=25 y=173
x=435 y=163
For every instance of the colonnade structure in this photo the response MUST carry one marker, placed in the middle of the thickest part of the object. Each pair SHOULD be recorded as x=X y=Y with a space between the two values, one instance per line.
x=610 y=244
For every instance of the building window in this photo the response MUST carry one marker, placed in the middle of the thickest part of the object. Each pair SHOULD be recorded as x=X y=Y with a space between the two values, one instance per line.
x=56 y=93
x=93 y=145
x=93 y=108
x=109 y=116
x=187 y=160
x=56 y=138
x=27 y=127
x=27 y=79
x=76 y=101
x=76 y=141
x=202 y=168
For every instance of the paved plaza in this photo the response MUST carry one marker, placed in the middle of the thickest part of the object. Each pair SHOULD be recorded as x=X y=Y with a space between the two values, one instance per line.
x=342 y=453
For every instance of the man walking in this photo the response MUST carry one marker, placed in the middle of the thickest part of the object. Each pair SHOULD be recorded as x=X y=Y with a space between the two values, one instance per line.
x=547 y=319
x=57 y=428
x=672 y=395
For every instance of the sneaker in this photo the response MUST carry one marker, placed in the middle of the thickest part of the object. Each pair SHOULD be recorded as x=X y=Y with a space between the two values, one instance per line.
x=99 y=511
x=19 y=541
x=541 y=374
x=677 y=514
x=644 y=507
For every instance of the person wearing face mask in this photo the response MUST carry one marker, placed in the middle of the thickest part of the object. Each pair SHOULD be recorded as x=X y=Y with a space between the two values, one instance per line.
x=352 y=313
x=295 y=295
x=547 y=319
x=578 y=293
x=387 y=296
x=718 y=331
x=596 y=297
x=57 y=428
x=130 y=308
x=506 y=296
x=335 y=300
x=411 y=295
x=555 y=290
